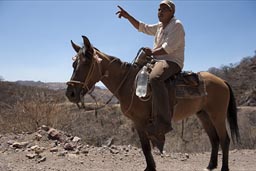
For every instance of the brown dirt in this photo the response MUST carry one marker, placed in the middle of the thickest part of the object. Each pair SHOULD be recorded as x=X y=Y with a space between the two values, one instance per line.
x=111 y=158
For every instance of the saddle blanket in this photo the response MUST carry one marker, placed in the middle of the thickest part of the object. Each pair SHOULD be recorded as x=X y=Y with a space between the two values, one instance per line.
x=188 y=85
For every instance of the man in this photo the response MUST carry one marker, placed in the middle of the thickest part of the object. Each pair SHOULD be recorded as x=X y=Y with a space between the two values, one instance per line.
x=168 y=50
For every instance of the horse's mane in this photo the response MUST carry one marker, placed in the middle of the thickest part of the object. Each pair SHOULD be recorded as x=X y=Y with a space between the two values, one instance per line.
x=105 y=56
x=110 y=58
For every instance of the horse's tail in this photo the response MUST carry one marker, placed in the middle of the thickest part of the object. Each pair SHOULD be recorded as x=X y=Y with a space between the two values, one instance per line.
x=232 y=116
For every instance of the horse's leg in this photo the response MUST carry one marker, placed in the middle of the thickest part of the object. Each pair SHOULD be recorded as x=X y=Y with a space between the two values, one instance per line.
x=224 y=142
x=146 y=148
x=214 y=139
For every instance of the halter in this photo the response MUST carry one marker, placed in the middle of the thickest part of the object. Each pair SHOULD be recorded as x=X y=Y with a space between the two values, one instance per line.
x=84 y=84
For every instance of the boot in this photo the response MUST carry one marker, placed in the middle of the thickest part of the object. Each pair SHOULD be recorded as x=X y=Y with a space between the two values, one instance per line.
x=159 y=127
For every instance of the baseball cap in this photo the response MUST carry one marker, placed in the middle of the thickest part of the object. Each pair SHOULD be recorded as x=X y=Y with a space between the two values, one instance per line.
x=169 y=3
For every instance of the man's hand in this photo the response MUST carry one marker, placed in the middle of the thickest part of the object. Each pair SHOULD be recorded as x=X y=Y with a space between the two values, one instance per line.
x=148 y=51
x=155 y=52
x=122 y=13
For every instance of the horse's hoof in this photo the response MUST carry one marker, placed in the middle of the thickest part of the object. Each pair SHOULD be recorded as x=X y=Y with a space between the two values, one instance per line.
x=206 y=169
x=150 y=169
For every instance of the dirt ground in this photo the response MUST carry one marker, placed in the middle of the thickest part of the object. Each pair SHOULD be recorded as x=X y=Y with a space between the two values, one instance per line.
x=38 y=152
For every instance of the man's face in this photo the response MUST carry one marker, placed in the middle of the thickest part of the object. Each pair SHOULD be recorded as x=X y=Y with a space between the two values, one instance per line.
x=164 y=13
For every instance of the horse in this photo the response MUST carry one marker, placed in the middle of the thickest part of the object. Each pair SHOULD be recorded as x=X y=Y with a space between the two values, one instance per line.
x=91 y=66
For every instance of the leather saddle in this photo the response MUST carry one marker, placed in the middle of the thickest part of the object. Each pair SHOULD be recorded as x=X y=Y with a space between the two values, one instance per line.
x=187 y=85
x=185 y=78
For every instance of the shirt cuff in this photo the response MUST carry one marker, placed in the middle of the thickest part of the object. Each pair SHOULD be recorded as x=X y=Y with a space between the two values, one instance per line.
x=141 y=25
x=166 y=48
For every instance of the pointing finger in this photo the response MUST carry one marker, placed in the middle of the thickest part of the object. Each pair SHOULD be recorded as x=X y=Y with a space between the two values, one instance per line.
x=120 y=7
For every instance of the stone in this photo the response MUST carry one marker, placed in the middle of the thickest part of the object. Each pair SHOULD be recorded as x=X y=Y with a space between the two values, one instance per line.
x=54 y=149
x=76 y=139
x=38 y=136
x=54 y=134
x=45 y=128
x=20 y=144
x=41 y=159
x=69 y=146
x=31 y=156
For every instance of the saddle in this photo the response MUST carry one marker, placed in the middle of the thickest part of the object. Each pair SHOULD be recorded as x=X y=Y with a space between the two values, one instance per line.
x=187 y=85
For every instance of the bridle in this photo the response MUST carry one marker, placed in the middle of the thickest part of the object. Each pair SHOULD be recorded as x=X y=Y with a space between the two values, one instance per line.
x=84 y=85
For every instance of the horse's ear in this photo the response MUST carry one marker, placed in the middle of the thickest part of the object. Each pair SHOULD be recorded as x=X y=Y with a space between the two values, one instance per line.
x=86 y=42
x=76 y=47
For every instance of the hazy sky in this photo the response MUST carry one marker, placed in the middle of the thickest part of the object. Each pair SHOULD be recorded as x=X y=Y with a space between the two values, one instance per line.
x=35 y=35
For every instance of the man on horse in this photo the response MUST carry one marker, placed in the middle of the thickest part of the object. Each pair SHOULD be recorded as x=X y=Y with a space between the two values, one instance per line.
x=168 y=50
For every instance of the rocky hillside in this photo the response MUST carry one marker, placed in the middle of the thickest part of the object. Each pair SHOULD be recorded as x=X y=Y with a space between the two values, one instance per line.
x=242 y=78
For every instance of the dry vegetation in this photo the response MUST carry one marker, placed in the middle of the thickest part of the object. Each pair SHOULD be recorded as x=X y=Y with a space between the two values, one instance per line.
x=24 y=108
x=242 y=77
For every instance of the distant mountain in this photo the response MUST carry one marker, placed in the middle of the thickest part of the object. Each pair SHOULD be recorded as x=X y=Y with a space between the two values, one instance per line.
x=49 y=85
x=241 y=76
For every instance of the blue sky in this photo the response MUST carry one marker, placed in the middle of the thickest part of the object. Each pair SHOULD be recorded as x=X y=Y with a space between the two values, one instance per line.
x=35 y=35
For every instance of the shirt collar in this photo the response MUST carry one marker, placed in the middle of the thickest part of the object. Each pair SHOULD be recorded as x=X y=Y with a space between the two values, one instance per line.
x=173 y=19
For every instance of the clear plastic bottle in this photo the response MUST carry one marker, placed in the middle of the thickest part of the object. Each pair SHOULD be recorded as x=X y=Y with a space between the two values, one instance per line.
x=142 y=82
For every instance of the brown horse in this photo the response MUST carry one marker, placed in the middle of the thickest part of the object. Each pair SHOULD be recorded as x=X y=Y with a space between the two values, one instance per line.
x=90 y=66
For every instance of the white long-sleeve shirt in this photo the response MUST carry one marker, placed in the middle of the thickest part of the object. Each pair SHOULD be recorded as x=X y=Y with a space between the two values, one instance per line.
x=171 y=39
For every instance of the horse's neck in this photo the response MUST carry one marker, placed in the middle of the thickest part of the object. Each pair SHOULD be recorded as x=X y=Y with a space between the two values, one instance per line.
x=117 y=74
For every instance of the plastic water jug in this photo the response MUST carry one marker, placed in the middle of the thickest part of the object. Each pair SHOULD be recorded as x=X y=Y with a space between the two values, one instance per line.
x=142 y=82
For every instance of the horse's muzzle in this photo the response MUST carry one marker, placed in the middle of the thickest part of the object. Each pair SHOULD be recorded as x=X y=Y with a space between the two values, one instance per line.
x=73 y=94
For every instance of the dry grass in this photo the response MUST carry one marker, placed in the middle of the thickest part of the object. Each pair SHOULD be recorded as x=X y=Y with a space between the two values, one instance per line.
x=27 y=116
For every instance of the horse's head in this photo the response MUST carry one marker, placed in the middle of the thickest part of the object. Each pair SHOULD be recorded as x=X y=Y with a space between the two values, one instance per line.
x=86 y=71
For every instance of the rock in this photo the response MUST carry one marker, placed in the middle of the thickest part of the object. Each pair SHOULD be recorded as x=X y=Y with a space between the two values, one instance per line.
x=45 y=128
x=54 y=134
x=34 y=147
x=41 y=159
x=38 y=136
x=20 y=144
x=76 y=139
x=113 y=151
x=31 y=156
x=69 y=146
x=37 y=149
x=54 y=149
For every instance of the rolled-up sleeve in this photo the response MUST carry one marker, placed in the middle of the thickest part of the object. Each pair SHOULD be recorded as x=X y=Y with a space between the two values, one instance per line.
x=175 y=39
x=149 y=29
